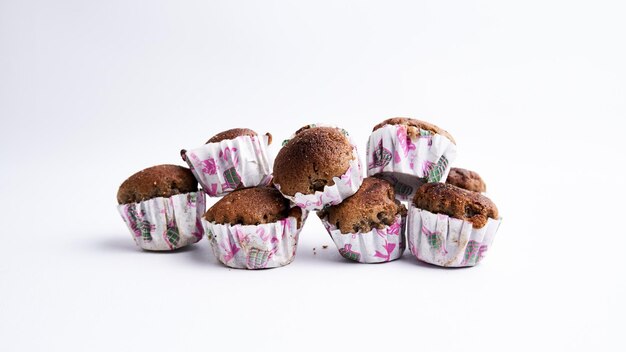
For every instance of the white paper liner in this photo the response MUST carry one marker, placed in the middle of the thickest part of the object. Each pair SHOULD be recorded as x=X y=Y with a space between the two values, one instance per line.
x=345 y=185
x=377 y=246
x=445 y=241
x=165 y=224
x=408 y=162
x=255 y=246
x=225 y=166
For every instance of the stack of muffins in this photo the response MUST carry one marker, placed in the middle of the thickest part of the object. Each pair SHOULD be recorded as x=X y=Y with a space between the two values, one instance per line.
x=265 y=202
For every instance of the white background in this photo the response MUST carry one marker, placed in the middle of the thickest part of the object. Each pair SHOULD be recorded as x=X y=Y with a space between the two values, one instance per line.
x=91 y=92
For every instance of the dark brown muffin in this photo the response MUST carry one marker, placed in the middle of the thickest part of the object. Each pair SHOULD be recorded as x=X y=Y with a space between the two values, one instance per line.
x=157 y=181
x=374 y=205
x=413 y=126
x=455 y=202
x=252 y=206
x=232 y=134
x=311 y=159
x=466 y=179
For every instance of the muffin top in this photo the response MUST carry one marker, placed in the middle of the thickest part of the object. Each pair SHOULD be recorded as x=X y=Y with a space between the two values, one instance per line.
x=311 y=159
x=414 y=125
x=373 y=206
x=252 y=206
x=157 y=181
x=466 y=179
x=231 y=134
x=455 y=202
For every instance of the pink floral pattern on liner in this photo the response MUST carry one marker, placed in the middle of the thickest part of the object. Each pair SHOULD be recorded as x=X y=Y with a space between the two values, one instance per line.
x=224 y=166
x=345 y=185
x=376 y=246
x=408 y=162
x=255 y=246
x=163 y=224
x=445 y=241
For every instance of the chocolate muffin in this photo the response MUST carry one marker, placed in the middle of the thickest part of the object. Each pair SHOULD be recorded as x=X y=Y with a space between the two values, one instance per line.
x=157 y=181
x=466 y=179
x=311 y=159
x=455 y=202
x=414 y=125
x=373 y=206
x=234 y=133
x=252 y=206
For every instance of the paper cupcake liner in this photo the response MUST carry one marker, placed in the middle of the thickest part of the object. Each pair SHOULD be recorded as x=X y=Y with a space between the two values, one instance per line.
x=377 y=246
x=225 y=166
x=165 y=224
x=345 y=185
x=255 y=246
x=408 y=162
x=445 y=241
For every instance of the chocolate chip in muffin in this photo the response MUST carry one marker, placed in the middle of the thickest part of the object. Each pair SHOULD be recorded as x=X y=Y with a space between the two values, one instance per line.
x=373 y=206
x=455 y=202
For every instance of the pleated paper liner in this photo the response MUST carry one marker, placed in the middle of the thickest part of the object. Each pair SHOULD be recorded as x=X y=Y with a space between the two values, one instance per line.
x=376 y=246
x=445 y=241
x=225 y=166
x=260 y=246
x=344 y=186
x=409 y=161
x=165 y=224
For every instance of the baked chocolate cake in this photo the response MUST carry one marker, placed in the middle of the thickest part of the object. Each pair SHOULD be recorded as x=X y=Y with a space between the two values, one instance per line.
x=372 y=206
x=252 y=206
x=466 y=179
x=231 y=134
x=414 y=125
x=311 y=159
x=455 y=202
x=157 y=181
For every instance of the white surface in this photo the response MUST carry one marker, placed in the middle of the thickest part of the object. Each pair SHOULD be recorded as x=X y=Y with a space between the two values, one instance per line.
x=91 y=92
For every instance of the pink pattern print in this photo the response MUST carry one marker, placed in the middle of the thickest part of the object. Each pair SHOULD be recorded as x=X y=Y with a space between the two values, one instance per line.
x=427 y=166
x=406 y=145
x=481 y=252
x=199 y=232
x=310 y=203
x=347 y=177
x=207 y=166
x=388 y=247
x=229 y=248
x=228 y=154
x=262 y=235
x=392 y=230
x=240 y=236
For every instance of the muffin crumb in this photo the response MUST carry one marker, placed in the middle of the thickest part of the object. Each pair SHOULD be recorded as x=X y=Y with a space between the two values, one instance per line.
x=455 y=202
x=156 y=181
x=466 y=179
x=373 y=206
x=252 y=206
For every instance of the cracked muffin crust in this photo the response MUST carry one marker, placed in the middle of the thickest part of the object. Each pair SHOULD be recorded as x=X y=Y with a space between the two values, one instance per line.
x=156 y=181
x=252 y=206
x=311 y=159
x=373 y=206
x=414 y=125
x=455 y=202
x=466 y=179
